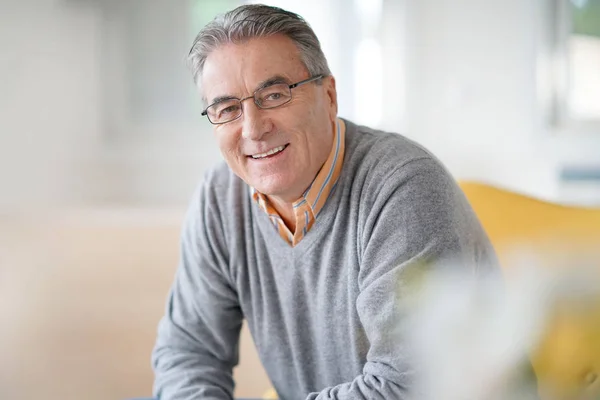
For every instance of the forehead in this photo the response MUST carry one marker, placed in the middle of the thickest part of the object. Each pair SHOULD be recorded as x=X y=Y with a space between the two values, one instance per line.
x=237 y=69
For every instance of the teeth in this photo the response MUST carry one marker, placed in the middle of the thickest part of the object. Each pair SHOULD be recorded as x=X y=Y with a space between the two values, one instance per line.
x=268 y=153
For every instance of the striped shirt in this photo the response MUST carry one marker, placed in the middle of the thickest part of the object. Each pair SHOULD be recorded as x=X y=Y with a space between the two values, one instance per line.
x=307 y=207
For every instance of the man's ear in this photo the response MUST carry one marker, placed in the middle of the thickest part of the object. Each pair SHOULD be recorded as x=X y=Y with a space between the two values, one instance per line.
x=331 y=96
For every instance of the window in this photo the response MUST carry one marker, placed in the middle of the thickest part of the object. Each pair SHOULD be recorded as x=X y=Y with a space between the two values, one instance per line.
x=584 y=60
x=570 y=65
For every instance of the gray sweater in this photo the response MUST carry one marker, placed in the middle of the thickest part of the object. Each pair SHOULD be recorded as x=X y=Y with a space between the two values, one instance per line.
x=323 y=314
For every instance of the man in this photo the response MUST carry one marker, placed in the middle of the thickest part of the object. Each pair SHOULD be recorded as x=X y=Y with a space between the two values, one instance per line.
x=306 y=231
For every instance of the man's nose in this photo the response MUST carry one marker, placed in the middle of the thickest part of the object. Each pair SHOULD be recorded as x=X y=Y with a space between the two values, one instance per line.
x=255 y=124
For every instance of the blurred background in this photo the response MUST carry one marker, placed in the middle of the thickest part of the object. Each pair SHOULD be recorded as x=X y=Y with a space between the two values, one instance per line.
x=102 y=144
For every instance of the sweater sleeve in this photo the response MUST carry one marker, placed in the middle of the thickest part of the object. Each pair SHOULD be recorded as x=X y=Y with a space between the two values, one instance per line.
x=418 y=216
x=197 y=343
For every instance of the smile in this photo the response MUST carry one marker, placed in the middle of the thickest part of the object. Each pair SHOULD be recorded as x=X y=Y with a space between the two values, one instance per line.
x=269 y=153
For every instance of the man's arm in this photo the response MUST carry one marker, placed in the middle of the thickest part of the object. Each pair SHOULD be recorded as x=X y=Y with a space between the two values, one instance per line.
x=197 y=344
x=419 y=218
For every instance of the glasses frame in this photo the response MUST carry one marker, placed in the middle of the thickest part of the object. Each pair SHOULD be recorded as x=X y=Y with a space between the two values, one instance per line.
x=204 y=113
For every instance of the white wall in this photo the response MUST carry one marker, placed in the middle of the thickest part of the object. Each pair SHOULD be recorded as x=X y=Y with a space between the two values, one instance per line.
x=49 y=99
x=156 y=143
x=97 y=106
x=472 y=96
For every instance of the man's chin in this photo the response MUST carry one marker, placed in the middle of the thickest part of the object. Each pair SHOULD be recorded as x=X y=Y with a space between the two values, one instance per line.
x=270 y=185
x=271 y=191
x=280 y=191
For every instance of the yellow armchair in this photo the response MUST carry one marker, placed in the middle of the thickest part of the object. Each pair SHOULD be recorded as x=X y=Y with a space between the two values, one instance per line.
x=568 y=357
x=512 y=220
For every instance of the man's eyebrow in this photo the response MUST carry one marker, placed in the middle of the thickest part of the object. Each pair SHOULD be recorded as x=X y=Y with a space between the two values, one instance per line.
x=271 y=81
x=266 y=83
x=222 y=98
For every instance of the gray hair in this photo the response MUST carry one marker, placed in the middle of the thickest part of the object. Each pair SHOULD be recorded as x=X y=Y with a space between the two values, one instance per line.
x=256 y=20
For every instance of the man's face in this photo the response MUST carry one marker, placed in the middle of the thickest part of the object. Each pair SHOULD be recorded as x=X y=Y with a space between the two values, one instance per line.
x=304 y=126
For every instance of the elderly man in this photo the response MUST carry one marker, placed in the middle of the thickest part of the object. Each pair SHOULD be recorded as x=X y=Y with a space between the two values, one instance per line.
x=305 y=230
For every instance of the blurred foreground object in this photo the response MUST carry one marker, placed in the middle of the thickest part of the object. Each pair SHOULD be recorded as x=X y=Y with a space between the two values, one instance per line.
x=565 y=244
x=474 y=337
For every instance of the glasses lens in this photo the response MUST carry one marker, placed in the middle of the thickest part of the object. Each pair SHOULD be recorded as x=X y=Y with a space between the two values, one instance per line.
x=273 y=96
x=224 y=111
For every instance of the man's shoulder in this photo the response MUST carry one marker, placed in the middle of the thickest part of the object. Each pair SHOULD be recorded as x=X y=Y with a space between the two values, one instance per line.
x=219 y=184
x=219 y=175
x=383 y=153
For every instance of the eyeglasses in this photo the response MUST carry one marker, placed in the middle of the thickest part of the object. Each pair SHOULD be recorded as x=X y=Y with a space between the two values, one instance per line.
x=272 y=96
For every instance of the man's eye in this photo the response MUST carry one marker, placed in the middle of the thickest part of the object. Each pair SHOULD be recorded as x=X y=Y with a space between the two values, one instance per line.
x=227 y=110
x=274 y=96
